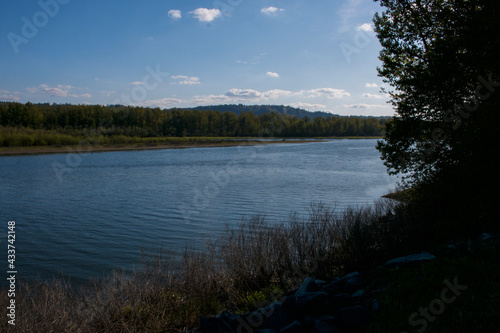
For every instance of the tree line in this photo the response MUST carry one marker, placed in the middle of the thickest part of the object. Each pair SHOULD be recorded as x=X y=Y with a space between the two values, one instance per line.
x=74 y=120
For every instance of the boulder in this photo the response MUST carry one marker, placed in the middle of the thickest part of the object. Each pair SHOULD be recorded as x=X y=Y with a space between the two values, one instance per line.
x=352 y=282
x=409 y=260
x=277 y=317
x=333 y=287
x=294 y=327
x=310 y=302
x=324 y=327
x=339 y=301
x=359 y=293
x=308 y=285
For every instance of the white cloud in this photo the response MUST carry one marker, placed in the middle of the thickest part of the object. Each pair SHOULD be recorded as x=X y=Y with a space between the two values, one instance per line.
x=308 y=106
x=371 y=85
x=243 y=93
x=82 y=95
x=368 y=95
x=364 y=106
x=107 y=92
x=272 y=74
x=206 y=15
x=366 y=27
x=271 y=10
x=59 y=91
x=209 y=99
x=275 y=93
x=327 y=92
x=174 y=14
x=238 y=94
x=163 y=103
x=9 y=96
x=137 y=83
x=184 y=79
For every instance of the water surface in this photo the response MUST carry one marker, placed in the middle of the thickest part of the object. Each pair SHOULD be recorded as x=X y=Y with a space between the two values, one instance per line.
x=104 y=208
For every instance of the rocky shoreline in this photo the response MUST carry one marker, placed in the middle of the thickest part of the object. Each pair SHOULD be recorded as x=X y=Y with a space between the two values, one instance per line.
x=345 y=304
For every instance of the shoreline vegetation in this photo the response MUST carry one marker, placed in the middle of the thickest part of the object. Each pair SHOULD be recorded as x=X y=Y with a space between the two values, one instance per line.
x=256 y=263
x=161 y=143
x=97 y=126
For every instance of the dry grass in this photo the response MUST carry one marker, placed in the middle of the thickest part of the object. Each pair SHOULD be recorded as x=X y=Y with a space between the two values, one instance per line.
x=246 y=266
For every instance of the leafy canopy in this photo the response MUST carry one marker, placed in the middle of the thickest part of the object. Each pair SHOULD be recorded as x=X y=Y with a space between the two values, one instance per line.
x=441 y=59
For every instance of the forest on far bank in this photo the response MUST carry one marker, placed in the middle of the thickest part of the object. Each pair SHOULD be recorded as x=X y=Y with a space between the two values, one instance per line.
x=54 y=124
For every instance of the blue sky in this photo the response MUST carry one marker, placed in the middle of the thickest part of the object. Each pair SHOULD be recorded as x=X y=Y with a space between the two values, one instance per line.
x=312 y=54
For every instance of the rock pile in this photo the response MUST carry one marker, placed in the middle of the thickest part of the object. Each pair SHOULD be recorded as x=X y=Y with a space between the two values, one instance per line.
x=344 y=304
x=340 y=305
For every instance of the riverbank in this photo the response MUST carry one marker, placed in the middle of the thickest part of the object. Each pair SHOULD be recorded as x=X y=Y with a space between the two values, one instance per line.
x=343 y=266
x=42 y=150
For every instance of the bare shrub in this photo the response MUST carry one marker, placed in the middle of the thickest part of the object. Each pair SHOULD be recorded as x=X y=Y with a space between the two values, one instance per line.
x=244 y=267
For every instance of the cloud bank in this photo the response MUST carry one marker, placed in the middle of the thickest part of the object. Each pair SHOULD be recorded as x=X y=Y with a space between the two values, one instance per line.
x=174 y=14
x=206 y=15
x=269 y=11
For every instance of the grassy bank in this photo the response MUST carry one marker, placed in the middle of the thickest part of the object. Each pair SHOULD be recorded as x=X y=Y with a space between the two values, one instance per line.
x=257 y=263
x=26 y=137
x=141 y=144
x=254 y=263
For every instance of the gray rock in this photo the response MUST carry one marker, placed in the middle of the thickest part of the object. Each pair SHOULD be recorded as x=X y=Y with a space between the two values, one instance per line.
x=485 y=236
x=353 y=282
x=275 y=316
x=457 y=249
x=308 y=285
x=311 y=302
x=332 y=290
x=320 y=283
x=495 y=239
x=350 y=275
x=375 y=306
x=295 y=327
x=326 y=318
x=339 y=301
x=324 y=327
x=359 y=293
x=411 y=259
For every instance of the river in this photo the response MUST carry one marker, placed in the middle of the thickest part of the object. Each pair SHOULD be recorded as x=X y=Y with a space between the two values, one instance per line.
x=84 y=215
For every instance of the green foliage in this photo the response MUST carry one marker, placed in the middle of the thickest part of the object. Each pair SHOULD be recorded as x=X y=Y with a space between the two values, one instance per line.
x=47 y=124
x=441 y=59
x=252 y=300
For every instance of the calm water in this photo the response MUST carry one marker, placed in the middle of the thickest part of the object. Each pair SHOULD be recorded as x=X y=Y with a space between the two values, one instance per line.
x=101 y=209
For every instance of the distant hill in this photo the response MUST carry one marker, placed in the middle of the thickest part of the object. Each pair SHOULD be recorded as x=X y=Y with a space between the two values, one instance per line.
x=256 y=109
x=261 y=109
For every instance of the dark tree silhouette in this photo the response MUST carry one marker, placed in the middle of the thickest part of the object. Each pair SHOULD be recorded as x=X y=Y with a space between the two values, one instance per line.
x=441 y=58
